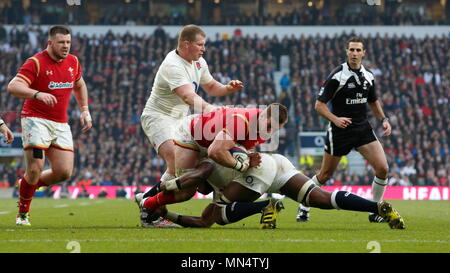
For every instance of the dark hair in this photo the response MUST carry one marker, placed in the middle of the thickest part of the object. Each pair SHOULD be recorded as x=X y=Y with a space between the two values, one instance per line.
x=189 y=33
x=280 y=109
x=58 y=29
x=355 y=39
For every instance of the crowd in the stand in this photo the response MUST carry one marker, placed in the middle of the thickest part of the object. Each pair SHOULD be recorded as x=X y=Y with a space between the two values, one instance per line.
x=351 y=14
x=412 y=78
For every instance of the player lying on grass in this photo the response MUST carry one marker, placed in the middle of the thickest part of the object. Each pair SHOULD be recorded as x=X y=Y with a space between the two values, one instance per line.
x=212 y=135
x=234 y=195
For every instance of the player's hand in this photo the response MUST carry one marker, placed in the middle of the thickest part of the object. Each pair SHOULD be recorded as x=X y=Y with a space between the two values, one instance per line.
x=342 y=122
x=234 y=86
x=387 y=128
x=86 y=120
x=8 y=136
x=47 y=98
x=255 y=159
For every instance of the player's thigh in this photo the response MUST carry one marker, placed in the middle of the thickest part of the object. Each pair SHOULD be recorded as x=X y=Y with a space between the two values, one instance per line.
x=294 y=185
x=167 y=151
x=235 y=192
x=373 y=152
x=61 y=161
x=185 y=158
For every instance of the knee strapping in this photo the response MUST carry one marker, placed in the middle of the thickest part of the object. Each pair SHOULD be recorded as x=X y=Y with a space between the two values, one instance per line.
x=303 y=194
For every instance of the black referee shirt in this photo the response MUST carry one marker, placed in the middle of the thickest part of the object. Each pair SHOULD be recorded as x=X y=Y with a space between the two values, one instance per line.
x=349 y=91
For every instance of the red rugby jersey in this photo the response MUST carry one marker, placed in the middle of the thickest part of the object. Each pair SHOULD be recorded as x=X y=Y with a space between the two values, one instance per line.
x=48 y=76
x=240 y=123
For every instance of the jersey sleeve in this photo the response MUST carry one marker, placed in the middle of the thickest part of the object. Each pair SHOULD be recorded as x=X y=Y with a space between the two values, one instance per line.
x=328 y=89
x=330 y=86
x=372 y=97
x=29 y=70
x=237 y=126
x=79 y=70
x=175 y=76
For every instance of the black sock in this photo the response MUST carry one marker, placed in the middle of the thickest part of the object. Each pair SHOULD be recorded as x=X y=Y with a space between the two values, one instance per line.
x=240 y=210
x=153 y=191
x=349 y=201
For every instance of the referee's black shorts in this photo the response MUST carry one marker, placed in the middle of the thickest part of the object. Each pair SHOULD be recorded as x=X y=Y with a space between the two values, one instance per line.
x=340 y=142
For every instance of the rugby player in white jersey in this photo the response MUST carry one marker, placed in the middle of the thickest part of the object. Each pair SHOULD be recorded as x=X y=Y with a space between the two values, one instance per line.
x=174 y=91
x=235 y=192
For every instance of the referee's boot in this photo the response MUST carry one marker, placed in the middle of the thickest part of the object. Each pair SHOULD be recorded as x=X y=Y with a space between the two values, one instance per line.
x=270 y=214
x=302 y=214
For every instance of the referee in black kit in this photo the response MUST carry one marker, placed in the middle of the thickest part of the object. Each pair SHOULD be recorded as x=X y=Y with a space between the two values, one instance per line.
x=350 y=87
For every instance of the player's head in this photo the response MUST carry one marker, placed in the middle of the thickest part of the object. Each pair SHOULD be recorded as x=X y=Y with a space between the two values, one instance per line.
x=59 y=41
x=355 y=51
x=271 y=119
x=191 y=42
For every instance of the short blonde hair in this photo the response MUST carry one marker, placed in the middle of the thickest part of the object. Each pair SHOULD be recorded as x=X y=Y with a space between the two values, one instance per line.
x=189 y=33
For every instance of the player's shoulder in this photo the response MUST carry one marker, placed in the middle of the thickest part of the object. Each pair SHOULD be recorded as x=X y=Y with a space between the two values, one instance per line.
x=368 y=73
x=336 y=72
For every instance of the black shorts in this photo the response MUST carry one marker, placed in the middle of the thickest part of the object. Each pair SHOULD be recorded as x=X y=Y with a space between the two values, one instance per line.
x=340 y=142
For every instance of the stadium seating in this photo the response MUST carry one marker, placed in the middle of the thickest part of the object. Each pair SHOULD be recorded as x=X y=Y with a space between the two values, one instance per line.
x=412 y=78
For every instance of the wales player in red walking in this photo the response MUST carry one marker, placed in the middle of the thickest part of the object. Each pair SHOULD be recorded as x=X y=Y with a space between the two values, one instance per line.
x=46 y=81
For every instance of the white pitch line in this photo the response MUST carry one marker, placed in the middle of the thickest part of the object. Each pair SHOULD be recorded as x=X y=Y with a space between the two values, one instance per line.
x=61 y=206
x=224 y=240
x=4 y=212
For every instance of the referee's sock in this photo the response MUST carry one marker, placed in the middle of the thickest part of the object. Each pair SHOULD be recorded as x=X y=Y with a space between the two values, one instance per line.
x=378 y=188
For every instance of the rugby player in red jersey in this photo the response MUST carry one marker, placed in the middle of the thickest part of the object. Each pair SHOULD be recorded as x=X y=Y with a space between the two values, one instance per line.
x=46 y=81
x=212 y=135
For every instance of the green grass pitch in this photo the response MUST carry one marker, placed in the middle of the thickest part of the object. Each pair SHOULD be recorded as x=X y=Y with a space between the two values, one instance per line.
x=111 y=225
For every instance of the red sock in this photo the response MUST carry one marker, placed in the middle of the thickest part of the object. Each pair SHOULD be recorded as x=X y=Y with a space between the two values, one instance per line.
x=160 y=199
x=41 y=183
x=26 y=193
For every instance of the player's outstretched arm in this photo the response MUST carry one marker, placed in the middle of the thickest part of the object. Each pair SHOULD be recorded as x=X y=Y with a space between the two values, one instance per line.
x=216 y=89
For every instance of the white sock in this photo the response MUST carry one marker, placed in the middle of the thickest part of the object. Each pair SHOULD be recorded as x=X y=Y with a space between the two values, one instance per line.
x=378 y=188
x=166 y=177
x=317 y=182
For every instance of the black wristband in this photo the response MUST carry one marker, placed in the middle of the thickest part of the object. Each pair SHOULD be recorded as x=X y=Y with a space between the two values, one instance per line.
x=35 y=94
x=1 y=124
x=383 y=119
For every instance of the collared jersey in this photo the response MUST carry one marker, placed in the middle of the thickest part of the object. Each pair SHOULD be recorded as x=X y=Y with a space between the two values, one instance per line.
x=349 y=91
x=44 y=74
x=240 y=123
x=174 y=72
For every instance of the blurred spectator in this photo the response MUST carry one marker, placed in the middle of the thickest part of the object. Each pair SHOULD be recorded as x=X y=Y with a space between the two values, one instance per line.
x=120 y=192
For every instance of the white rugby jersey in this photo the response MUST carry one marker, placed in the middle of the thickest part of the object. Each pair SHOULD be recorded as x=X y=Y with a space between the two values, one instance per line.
x=175 y=72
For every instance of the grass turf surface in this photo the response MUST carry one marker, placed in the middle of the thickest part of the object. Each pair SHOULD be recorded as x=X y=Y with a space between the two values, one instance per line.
x=112 y=225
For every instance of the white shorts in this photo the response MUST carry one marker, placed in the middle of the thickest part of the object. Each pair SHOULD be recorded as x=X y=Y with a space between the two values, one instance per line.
x=158 y=127
x=273 y=173
x=42 y=133
x=184 y=138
